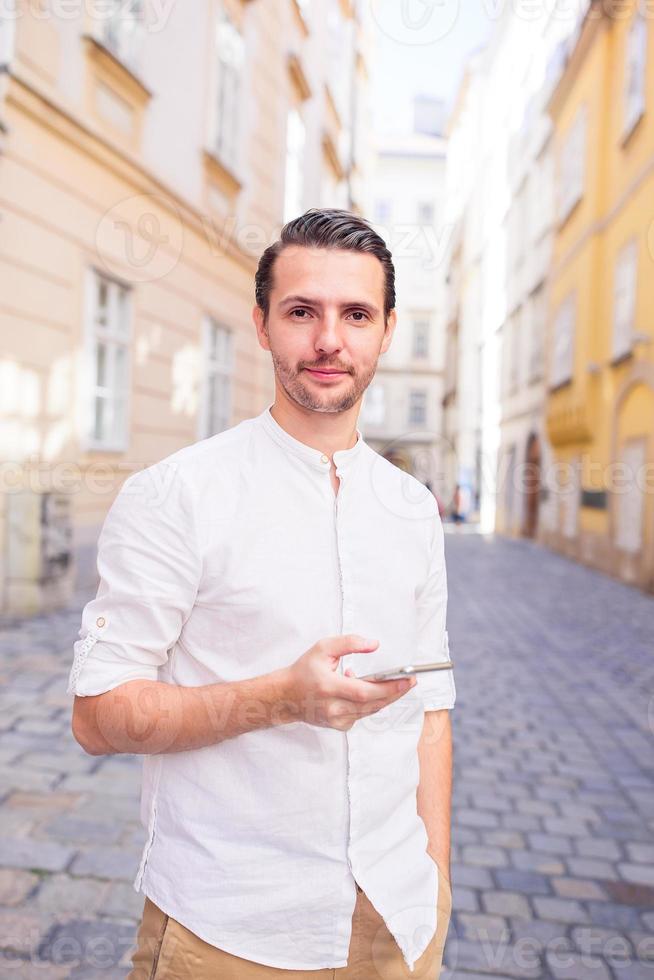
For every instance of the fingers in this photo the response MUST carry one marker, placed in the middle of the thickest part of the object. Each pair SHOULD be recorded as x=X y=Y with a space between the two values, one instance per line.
x=346 y=643
x=363 y=692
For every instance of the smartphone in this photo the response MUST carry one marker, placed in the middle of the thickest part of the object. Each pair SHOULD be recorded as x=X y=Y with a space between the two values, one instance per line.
x=397 y=673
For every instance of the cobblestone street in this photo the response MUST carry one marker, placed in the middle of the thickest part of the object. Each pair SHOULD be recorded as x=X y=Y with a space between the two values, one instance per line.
x=553 y=829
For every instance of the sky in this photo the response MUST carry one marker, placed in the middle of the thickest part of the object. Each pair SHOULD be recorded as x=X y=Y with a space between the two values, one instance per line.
x=420 y=47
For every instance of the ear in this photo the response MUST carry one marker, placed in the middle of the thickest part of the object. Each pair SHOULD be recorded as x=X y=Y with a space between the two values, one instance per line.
x=388 y=332
x=262 y=331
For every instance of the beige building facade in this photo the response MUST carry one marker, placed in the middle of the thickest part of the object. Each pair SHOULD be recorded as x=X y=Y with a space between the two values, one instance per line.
x=401 y=414
x=147 y=157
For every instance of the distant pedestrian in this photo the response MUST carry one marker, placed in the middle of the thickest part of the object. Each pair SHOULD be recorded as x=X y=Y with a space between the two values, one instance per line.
x=456 y=512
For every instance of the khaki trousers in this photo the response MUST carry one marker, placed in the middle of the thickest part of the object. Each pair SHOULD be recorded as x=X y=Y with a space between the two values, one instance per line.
x=166 y=950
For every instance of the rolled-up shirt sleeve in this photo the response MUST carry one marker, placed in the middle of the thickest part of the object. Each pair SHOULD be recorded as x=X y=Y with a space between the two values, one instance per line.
x=149 y=564
x=435 y=688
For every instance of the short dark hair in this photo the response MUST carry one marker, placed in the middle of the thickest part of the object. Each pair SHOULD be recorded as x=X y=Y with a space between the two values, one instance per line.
x=326 y=228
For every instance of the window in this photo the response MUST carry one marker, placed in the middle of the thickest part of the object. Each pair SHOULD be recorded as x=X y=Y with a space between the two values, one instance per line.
x=630 y=499
x=563 y=349
x=294 y=176
x=122 y=29
x=420 y=339
x=7 y=21
x=509 y=490
x=569 y=501
x=537 y=322
x=425 y=213
x=109 y=349
x=572 y=165
x=624 y=298
x=635 y=68
x=417 y=407
x=217 y=399
x=513 y=353
x=374 y=405
x=230 y=58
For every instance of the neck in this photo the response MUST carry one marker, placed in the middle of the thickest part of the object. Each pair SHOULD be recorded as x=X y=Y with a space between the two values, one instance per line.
x=327 y=431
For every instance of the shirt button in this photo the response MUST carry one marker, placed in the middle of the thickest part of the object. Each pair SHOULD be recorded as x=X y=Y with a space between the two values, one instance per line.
x=324 y=459
x=100 y=621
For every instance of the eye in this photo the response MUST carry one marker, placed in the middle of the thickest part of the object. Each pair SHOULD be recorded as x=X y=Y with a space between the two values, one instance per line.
x=302 y=310
x=359 y=313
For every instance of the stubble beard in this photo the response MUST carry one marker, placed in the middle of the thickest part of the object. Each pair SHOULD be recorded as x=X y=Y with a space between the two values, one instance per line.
x=292 y=381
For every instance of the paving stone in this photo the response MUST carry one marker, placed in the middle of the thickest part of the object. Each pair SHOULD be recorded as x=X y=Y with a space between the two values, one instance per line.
x=524 y=882
x=640 y=873
x=100 y=945
x=599 y=847
x=21 y=930
x=485 y=857
x=15 y=885
x=78 y=830
x=592 y=868
x=577 y=888
x=643 y=944
x=546 y=864
x=550 y=844
x=572 y=966
x=62 y=894
x=560 y=909
x=493 y=958
x=632 y=970
x=477 y=818
x=640 y=853
x=470 y=876
x=58 y=762
x=14 y=778
x=122 y=902
x=26 y=852
x=613 y=915
x=506 y=903
x=607 y=944
x=477 y=926
x=106 y=862
x=542 y=933
x=503 y=838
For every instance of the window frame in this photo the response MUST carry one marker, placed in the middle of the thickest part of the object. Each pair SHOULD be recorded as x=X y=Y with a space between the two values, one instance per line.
x=127 y=52
x=624 y=331
x=420 y=321
x=212 y=368
x=293 y=166
x=113 y=339
x=378 y=390
x=228 y=150
x=572 y=164
x=423 y=395
x=635 y=68
x=560 y=375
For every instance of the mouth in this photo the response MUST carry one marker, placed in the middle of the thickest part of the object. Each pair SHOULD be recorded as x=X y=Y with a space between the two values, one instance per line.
x=326 y=373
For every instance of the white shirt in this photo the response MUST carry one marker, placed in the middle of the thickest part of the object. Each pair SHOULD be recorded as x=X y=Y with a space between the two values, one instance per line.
x=230 y=559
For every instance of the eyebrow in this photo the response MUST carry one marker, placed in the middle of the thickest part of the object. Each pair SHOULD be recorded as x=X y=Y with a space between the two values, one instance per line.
x=307 y=301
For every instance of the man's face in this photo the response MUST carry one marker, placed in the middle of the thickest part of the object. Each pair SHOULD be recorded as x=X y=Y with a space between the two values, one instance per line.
x=325 y=327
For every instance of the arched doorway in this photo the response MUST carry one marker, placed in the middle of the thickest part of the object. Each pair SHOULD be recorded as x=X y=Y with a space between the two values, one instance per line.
x=532 y=486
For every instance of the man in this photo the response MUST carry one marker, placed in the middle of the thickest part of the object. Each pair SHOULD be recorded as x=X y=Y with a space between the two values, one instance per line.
x=297 y=816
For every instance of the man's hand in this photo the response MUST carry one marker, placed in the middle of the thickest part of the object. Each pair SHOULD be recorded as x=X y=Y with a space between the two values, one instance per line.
x=322 y=696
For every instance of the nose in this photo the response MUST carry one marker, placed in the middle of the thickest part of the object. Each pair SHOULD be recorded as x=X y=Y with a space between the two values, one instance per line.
x=329 y=337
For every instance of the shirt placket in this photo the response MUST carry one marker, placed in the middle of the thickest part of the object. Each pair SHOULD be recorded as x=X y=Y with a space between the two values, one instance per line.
x=346 y=626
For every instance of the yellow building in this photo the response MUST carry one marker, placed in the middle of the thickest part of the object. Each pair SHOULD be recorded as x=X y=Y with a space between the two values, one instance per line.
x=600 y=399
x=147 y=157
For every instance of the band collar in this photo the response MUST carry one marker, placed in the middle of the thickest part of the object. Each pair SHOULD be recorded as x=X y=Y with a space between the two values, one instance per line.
x=342 y=457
